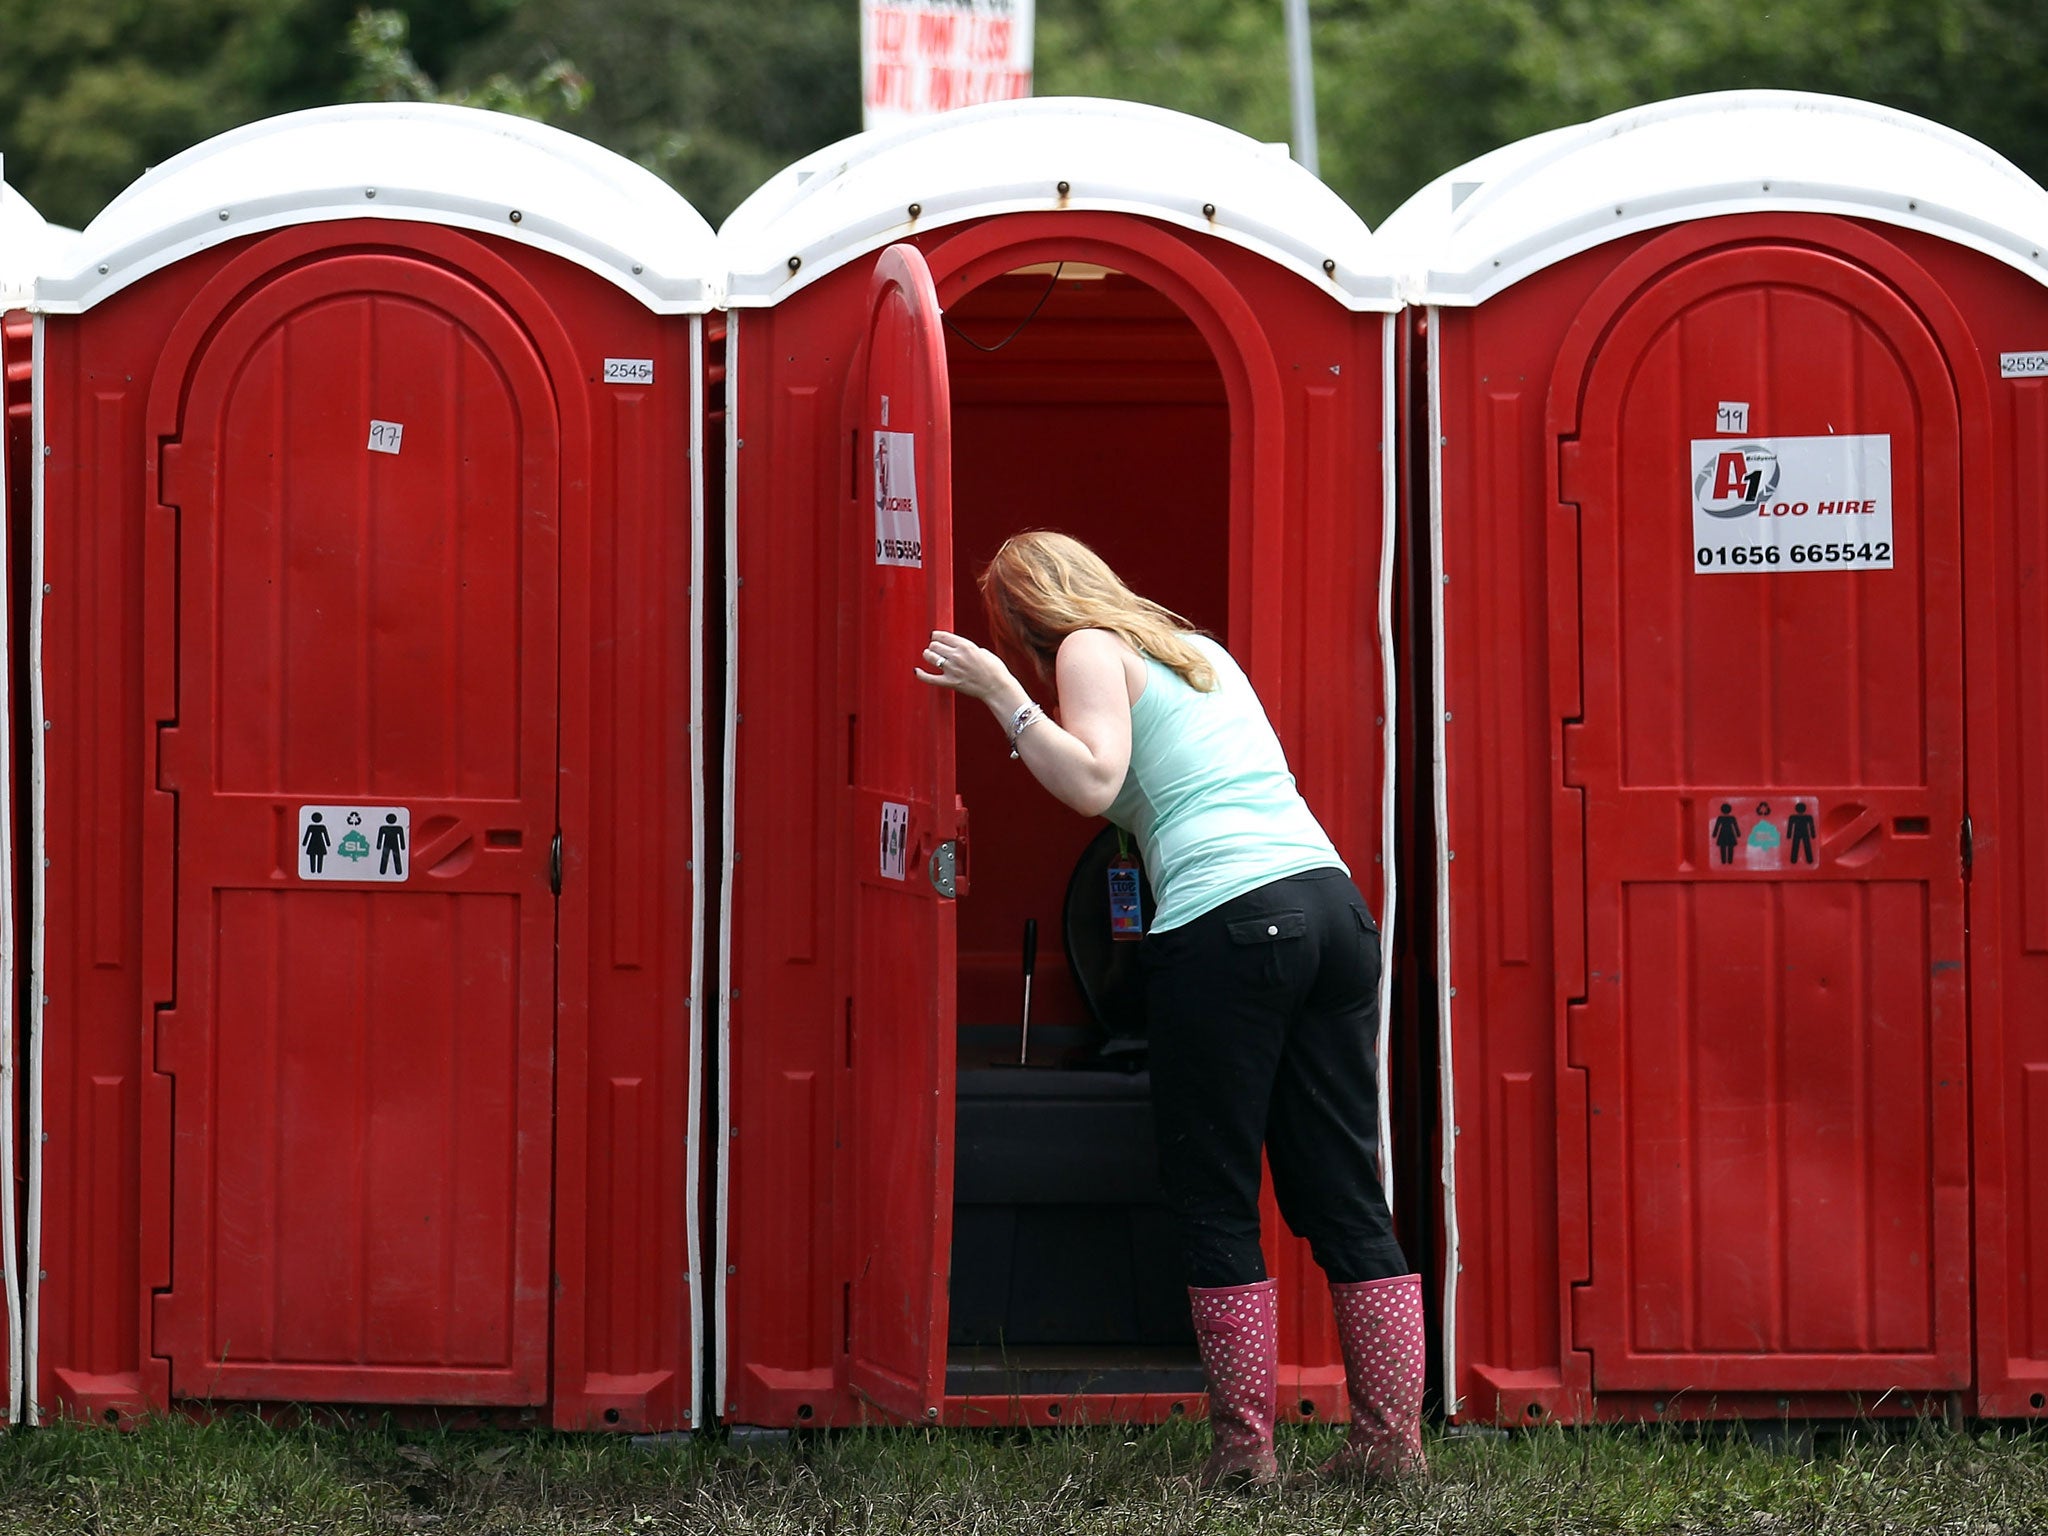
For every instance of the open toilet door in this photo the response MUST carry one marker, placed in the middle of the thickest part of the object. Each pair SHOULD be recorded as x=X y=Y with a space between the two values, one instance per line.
x=901 y=832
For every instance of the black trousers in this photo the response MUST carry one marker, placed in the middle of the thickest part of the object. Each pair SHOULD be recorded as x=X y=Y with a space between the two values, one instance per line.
x=1262 y=1023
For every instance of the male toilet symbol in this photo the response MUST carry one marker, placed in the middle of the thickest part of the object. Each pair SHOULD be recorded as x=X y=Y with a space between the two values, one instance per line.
x=391 y=847
x=1799 y=831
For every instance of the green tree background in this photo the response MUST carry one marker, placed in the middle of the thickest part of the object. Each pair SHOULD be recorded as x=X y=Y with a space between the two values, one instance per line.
x=716 y=95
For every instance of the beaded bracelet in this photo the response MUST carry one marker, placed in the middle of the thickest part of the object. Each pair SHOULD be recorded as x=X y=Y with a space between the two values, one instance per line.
x=1028 y=714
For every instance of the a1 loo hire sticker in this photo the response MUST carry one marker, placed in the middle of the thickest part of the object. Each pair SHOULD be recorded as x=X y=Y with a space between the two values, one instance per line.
x=355 y=842
x=1776 y=505
x=897 y=541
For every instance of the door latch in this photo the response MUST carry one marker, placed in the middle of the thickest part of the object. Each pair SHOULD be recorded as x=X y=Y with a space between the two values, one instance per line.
x=940 y=869
x=555 y=863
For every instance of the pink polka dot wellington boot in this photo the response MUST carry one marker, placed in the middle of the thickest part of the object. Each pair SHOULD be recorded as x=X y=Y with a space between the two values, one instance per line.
x=1379 y=1325
x=1235 y=1326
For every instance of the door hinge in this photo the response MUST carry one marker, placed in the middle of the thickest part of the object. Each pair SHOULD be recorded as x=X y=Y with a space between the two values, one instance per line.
x=1969 y=846
x=941 y=869
x=555 y=863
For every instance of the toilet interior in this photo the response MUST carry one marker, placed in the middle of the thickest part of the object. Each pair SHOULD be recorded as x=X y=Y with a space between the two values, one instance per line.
x=1105 y=417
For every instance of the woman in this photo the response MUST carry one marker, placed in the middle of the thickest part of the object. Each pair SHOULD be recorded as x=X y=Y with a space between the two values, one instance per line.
x=1262 y=975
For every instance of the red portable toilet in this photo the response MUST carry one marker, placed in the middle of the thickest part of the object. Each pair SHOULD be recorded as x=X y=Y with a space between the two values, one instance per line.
x=1734 y=406
x=367 y=561
x=1176 y=344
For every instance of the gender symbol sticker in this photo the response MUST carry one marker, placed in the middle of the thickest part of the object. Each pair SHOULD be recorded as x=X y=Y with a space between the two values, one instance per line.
x=355 y=842
x=1762 y=833
x=895 y=838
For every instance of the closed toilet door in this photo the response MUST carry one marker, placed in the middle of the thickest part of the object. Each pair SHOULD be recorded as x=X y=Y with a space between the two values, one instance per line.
x=361 y=1019
x=1767 y=784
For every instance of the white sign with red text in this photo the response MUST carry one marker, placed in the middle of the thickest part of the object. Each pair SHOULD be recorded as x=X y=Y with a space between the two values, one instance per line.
x=898 y=540
x=924 y=56
x=1777 y=505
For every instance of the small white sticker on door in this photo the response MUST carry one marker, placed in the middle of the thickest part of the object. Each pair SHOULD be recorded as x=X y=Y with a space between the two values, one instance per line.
x=629 y=370
x=385 y=436
x=2023 y=365
x=1751 y=833
x=355 y=842
x=1732 y=416
x=897 y=540
x=895 y=838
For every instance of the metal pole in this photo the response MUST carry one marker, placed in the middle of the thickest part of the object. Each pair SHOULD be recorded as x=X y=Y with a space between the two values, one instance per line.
x=1301 y=77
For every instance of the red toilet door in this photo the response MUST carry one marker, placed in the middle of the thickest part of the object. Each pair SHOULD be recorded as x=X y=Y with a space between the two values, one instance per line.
x=899 y=834
x=1768 y=779
x=365 y=479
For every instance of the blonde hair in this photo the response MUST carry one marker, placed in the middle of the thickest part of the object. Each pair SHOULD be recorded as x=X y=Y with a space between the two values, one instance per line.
x=1041 y=587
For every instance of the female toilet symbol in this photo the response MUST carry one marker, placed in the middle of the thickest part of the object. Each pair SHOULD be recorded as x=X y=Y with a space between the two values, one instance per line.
x=1727 y=832
x=316 y=842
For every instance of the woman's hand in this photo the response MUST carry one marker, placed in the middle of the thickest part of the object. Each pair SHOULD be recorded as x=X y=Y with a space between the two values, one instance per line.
x=955 y=662
x=1083 y=757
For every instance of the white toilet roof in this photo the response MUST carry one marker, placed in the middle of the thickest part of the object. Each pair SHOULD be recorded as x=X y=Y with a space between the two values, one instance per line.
x=457 y=166
x=1010 y=157
x=1490 y=223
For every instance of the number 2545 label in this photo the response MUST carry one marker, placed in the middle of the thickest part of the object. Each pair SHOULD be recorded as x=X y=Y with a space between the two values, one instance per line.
x=629 y=370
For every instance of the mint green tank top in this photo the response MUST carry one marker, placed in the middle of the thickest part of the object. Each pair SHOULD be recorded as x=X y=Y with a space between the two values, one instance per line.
x=1208 y=795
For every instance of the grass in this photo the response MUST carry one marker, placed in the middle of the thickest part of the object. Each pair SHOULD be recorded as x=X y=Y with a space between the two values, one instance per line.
x=239 y=1474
